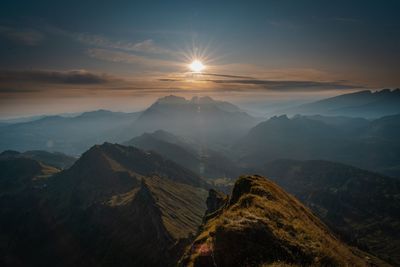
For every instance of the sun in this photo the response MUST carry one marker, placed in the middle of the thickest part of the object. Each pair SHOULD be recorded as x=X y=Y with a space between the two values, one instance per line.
x=196 y=66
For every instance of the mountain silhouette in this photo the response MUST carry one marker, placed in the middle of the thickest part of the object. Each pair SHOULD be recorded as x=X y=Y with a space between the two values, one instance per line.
x=365 y=104
x=369 y=145
x=203 y=119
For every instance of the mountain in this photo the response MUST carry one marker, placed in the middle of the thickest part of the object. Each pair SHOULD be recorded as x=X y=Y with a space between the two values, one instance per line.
x=207 y=163
x=20 y=174
x=71 y=135
x=348 y=125
x=116 y=206
x=115 y=168
x=202 y=119
x=362 y=206
x=307 y=138
x=262 y=225
x=55 y=159
x=366 y=104
x=387 y=128
x=299 y=137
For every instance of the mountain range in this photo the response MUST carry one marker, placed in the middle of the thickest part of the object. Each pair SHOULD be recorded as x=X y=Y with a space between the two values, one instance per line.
x=203 y=119
x=119 y=205
x=140 y=198
x=366 y=104
x=71 y=135
x=366 y=144
x=210 y=123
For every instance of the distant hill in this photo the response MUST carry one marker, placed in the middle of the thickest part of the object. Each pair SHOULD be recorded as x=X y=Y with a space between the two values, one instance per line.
x=262 y=225
x=116 y=206
x=202 y=119
x=205 y=162
x=71 y=135
x=362 y=206
x=364 y=104
x=369 y=145
x=387 y=128
x=22 y=174
x=55 y=159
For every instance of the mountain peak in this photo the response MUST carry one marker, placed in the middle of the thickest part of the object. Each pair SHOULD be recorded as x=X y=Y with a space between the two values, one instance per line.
x=283 y=117
x=95 y=113
x=132 y=160
x=262 y=224
x=202 y=100
x=172 y=99
x=9 y=153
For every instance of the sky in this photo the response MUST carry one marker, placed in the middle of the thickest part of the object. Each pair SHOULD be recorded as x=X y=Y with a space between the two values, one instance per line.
x=69 y=56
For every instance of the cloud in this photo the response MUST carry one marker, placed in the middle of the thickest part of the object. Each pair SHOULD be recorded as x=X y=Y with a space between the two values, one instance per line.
x=54 y=77
x=28 y=37
x=288 y=85
x=146 y=46
x=236 y=82
x=228 y=76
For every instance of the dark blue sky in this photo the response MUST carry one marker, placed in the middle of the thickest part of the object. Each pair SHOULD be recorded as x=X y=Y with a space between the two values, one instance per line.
x=113 y=49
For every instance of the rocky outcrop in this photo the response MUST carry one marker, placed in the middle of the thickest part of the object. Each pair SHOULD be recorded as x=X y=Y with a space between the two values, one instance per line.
x=263 y=225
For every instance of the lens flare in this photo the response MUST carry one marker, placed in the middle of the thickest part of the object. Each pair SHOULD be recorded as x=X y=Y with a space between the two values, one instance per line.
x=196 y=66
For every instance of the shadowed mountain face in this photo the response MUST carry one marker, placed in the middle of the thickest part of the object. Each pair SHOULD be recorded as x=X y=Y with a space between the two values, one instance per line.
x=202 y=119
x=368 y=145
x=21 y=219
x=363 y=207
x=204 y=162
x=365 y=104
x=115 y=206
x=260 y=224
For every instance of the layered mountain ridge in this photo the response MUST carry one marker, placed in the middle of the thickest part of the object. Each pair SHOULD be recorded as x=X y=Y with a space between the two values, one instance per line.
x=366 y=144
x=202 y=118
x=366 y=103
x=204 y=161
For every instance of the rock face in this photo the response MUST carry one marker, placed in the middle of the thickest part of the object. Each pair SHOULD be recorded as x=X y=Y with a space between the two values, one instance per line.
x=262 y=225
x=215 y=200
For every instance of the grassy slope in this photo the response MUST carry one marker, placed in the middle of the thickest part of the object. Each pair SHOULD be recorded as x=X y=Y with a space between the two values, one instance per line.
x=262 y=224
